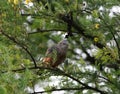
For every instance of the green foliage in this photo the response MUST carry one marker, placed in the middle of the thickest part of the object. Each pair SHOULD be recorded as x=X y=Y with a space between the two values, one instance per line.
x=27 y=31
x=2 y=90
x=107 y=55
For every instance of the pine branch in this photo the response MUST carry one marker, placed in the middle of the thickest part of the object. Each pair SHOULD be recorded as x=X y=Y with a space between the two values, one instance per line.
x=60 y=72
x=110 y=29
x=65 y=89
x=47 y=30
x=116 y=43
x=22 y=46
x=80 y=29
x=83 y=84
x=105 y=79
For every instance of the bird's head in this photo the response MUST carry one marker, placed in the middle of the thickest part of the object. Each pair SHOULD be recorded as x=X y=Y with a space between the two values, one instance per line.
x=63 y=44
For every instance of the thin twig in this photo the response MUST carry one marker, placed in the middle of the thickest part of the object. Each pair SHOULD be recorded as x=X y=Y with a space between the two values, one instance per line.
x=105 y=79
x=116 y=42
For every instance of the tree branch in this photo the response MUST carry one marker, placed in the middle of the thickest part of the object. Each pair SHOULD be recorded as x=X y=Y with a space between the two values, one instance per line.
x=110 y=29
x=85 y=85
x=116 y=43
x=41 y=31
x=22 y=46
x=67 y=89
x=60 y=72
x=79 y=28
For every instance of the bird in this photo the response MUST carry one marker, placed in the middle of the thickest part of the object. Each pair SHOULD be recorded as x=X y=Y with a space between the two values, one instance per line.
x=56 y=54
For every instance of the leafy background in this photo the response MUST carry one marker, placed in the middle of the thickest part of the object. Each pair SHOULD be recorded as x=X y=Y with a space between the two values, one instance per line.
x=29 y=27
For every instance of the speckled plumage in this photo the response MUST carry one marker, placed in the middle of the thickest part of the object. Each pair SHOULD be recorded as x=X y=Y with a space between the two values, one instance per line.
x=56 y=54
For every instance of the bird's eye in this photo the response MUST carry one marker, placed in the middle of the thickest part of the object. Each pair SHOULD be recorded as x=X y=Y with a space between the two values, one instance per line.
x=64 y=43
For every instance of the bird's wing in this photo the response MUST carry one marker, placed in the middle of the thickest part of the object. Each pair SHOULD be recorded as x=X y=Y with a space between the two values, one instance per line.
x=52 y=53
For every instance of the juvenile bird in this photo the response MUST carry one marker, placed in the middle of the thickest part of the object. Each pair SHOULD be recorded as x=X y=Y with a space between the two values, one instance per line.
x=56 y=54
